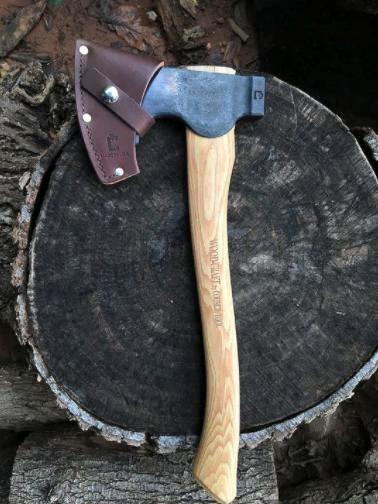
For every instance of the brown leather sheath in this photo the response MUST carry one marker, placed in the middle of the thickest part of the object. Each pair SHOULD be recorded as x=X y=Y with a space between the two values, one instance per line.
x=110 y=130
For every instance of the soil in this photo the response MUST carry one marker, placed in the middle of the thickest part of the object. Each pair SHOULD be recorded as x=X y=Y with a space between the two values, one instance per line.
x=54 y=35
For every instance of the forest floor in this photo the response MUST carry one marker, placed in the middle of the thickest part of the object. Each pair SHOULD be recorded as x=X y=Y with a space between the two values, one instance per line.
x=204 y=32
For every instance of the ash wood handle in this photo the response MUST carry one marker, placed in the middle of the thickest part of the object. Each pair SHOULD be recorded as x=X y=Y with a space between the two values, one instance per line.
x=210 y=164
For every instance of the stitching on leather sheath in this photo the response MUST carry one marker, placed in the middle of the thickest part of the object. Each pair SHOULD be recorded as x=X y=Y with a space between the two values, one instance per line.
x=89 y=132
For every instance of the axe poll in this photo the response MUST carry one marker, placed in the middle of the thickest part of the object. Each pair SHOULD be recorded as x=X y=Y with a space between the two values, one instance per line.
x=118 y=98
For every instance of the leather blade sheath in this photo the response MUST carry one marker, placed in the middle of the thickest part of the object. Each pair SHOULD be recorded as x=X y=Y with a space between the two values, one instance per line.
x=208 y=103
x=110 y=141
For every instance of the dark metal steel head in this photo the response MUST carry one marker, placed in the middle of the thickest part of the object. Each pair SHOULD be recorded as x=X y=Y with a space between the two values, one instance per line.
x=209 y=103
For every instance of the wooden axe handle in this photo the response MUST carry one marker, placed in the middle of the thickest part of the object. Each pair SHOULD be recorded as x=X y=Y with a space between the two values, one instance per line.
x=210 y=164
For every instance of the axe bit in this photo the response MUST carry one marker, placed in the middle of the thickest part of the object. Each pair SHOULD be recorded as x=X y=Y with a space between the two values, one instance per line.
x=209 y=100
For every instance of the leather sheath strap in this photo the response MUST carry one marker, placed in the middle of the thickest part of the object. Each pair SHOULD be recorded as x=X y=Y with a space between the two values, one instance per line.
x=125 y=107
x=110 y=130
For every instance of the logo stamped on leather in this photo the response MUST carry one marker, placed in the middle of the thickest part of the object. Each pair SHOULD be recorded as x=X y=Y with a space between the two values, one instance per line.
x=113 y=147
x=112 y=141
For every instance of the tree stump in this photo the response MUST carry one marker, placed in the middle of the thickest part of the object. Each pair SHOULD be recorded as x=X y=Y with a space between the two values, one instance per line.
x=107 y=296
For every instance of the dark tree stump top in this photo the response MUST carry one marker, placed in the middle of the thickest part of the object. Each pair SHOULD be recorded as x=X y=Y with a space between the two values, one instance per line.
x=112 y=291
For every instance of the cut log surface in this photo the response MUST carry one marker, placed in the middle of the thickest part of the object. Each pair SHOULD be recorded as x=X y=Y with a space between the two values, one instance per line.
x=70 y=466
x=111 y=288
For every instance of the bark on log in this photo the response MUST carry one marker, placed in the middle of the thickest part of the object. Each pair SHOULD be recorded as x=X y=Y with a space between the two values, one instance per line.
x=368 y=139
x=70 y=466
x=25 y=404
x=34 y=104
x=22 y=142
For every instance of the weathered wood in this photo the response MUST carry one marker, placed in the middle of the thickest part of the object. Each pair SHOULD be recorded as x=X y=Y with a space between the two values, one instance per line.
x=22 y=142
x=69 y=466
x=127 y=344
x=10 y=350
x=25 y=404
x=332 y=446
x=359 y=486
x=328 y=446
x=9 y=442
x=366 y=406
x=29 y=130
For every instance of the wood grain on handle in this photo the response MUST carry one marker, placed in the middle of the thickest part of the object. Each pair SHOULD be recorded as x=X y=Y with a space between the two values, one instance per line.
x=210 y=164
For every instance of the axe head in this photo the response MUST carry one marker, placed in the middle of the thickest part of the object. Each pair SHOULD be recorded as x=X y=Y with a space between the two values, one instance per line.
x=208 y=103
x=119 y=96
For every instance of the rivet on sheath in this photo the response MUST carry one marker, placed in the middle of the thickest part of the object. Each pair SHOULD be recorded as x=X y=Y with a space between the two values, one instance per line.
x=83 y=49
x=87 y=118
x=109 y=94
x=119 y=171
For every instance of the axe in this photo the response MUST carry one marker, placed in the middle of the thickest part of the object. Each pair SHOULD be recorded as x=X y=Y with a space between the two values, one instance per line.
x=118 y=98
